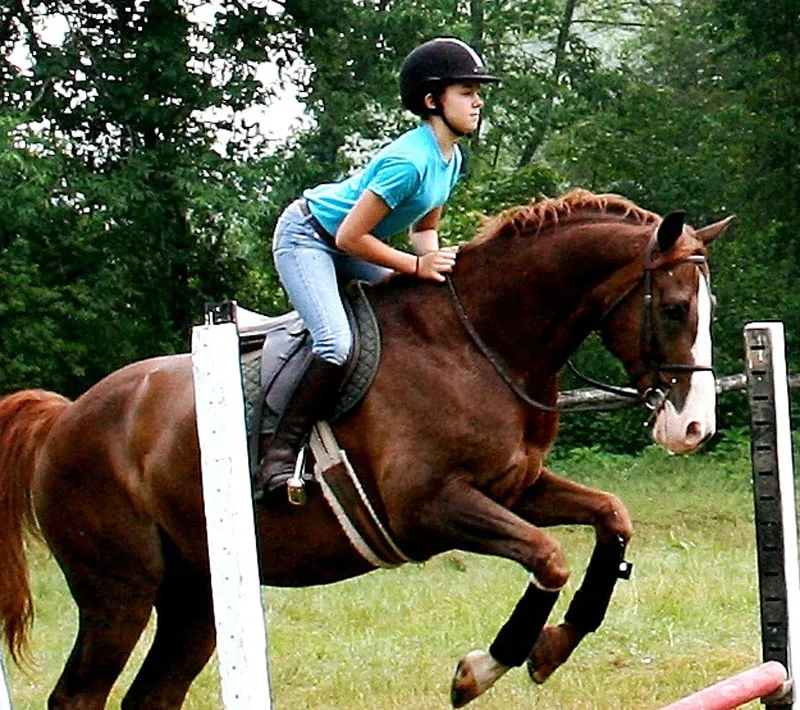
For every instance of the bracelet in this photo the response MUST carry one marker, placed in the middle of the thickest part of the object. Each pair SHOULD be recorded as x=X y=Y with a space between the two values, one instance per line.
x=416 y=269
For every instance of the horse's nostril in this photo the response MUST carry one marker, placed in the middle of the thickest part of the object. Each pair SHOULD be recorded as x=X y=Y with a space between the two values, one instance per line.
x=694 y=430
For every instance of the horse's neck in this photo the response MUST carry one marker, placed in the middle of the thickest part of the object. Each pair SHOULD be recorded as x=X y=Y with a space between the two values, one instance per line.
x=535 y=303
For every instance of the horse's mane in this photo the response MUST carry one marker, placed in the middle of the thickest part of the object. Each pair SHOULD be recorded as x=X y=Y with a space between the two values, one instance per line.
x=537 y=217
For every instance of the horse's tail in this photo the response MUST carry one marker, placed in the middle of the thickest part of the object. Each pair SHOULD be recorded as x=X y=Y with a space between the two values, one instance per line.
x=26 y=419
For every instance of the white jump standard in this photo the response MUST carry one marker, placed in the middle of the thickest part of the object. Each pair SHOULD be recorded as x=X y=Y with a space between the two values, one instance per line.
x=230 y=521
x=776 y=534
x=5 y=695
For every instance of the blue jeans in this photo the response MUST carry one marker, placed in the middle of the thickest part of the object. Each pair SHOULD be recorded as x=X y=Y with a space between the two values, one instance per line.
x=311 y=272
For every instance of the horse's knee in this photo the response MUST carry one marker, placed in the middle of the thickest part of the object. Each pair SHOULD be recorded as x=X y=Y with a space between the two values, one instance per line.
x=613 y=521
x=549 y=565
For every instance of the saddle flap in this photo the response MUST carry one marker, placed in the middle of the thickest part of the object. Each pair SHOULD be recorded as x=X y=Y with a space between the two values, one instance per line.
x=284 y=357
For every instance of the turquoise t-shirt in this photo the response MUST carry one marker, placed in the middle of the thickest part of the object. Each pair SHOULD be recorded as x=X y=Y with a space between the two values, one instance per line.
x=410 y=175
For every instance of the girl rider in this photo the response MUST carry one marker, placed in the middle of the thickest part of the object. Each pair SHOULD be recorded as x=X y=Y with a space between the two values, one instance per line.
x=335 y=231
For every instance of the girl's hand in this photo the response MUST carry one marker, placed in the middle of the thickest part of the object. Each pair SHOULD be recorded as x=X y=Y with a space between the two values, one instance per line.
x=434 y=264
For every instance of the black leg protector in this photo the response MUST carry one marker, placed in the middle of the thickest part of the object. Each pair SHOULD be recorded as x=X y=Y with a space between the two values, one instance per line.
x=514 y=641
x=589 y=605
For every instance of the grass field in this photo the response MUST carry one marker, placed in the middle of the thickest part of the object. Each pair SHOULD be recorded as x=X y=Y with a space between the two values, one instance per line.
x=687 y=618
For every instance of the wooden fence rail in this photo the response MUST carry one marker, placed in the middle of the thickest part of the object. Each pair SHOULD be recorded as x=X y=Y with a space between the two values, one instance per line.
x=728 y=383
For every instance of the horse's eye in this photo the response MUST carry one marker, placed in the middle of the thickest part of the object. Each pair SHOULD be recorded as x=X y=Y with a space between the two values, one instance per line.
x=675 y=311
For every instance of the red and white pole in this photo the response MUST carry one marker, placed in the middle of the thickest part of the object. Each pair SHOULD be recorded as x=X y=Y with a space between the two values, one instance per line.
x=735 y=691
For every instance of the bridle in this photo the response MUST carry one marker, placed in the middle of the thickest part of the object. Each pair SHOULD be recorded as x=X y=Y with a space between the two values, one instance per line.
x=655 y=395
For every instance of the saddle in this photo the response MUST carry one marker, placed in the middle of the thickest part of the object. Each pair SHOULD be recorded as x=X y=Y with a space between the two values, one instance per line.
x=274 y=353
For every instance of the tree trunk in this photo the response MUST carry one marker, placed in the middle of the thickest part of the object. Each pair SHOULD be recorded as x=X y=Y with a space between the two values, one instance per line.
x=537 y=138
x=477 y=29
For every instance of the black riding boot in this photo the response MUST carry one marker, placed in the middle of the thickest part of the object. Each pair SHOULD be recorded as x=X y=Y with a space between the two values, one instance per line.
x=312 y=400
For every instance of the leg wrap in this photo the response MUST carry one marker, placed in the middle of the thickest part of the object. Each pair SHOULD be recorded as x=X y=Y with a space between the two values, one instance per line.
x=590 y=603
x=514 y=642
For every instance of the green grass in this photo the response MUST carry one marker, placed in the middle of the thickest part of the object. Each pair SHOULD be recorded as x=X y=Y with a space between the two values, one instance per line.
x=689 y=616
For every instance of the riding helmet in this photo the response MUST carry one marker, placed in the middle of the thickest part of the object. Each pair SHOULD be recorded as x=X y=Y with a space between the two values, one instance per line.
x=440 y=61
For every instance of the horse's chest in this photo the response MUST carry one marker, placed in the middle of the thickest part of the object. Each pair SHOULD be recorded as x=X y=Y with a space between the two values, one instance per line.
x=521 y=469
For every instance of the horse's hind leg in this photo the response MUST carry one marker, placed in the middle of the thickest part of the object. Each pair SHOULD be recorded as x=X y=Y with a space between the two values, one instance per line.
x=113 y=611
x=184 y=641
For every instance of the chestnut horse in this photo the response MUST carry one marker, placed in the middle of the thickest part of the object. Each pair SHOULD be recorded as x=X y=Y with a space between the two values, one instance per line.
x=450 y=453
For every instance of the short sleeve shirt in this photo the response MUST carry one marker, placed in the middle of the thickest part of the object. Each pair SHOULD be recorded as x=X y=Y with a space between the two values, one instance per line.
x=410 y=175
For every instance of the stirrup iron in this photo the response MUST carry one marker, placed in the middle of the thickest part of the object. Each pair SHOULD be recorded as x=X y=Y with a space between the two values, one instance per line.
x=295 y=486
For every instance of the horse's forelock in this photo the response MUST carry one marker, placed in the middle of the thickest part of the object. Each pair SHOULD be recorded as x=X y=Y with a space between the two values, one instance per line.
x=687 y=246
x=545 y=214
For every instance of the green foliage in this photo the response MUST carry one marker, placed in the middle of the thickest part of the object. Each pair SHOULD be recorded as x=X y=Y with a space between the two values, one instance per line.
x=119 y=219
x=480 y=196
x=703 y=117
x=44 y=306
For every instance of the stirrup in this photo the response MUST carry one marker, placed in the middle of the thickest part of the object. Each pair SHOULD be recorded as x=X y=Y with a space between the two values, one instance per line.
x=295 y=486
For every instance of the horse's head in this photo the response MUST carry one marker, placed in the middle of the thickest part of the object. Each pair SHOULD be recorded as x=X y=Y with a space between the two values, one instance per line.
x=586 y=261
x=660 y=328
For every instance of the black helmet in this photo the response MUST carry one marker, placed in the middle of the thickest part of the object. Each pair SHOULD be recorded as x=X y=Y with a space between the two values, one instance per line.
x=444 y=60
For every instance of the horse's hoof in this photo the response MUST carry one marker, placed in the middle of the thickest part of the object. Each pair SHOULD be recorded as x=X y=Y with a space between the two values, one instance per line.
x=538 y=675
x=551 y=650
x=475 y=674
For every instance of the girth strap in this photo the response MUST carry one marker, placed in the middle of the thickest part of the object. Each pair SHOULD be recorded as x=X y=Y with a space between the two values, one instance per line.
x=348 y=500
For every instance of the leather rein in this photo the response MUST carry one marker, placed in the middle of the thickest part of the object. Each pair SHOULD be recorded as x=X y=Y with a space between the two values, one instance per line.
x=654 y=397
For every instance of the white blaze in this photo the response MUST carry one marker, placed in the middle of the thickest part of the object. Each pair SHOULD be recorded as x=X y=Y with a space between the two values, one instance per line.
x=684 y=431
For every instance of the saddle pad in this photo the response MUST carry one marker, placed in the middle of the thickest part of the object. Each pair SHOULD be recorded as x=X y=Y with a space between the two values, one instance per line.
x=367 y=356
x=251 y=381
x=360 y=373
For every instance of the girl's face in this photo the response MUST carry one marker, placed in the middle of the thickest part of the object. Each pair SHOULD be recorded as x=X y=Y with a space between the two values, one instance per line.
x=461 y=104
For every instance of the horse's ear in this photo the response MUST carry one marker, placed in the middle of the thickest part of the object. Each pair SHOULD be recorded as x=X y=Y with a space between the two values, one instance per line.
x=670 y=230
x=712 y=231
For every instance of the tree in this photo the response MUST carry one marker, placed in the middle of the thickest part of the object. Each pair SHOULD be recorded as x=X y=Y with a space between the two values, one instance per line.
x=119 y=219
x=134 y=220
x=703 y=117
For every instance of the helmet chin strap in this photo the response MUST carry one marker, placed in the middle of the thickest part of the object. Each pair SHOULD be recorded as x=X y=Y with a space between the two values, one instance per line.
x=455 y=130
x=440 y=112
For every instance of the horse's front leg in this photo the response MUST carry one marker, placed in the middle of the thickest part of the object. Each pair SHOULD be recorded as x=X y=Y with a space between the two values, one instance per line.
x=466 y=519
x=553 y=500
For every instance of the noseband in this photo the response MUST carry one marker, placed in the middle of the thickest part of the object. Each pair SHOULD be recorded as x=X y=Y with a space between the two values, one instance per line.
x=654 y=396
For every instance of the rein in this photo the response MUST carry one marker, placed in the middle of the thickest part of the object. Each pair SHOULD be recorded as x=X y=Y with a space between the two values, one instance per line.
x=654 y=397
x=505 y=374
